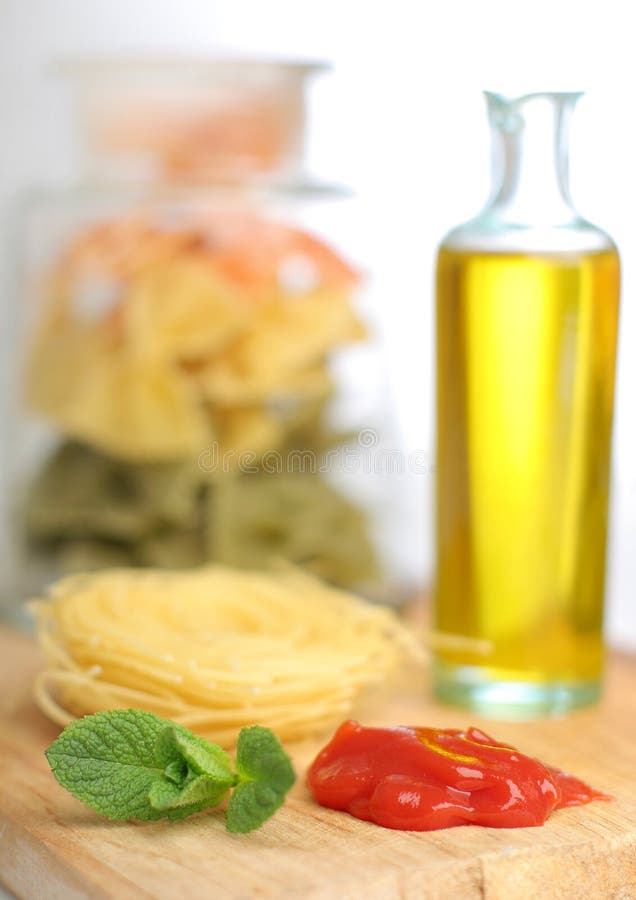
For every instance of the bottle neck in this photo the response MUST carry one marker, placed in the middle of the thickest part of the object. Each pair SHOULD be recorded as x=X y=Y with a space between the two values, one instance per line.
x=530 y=158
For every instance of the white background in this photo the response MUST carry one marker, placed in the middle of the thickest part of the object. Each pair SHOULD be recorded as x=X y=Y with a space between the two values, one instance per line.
x=402 y=120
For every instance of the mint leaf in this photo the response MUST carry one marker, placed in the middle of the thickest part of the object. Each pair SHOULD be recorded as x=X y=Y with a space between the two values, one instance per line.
x=108 y=761
x=199 y=793
x=260 y=757
x=250 y=805
x=265 y=774
x=131 y=764
x=176 y=771
x=177 y=743
x=198 y=775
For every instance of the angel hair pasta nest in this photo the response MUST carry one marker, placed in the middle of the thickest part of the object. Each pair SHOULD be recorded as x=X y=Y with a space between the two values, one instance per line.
x=213 y=648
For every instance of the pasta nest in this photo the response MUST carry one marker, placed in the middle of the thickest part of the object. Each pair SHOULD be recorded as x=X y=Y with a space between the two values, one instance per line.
x=214 y=648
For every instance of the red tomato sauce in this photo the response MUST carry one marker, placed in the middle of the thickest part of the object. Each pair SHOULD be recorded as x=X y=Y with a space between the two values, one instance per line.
x=423 y=779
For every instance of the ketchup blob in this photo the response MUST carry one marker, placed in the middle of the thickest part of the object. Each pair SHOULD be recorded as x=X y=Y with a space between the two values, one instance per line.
x=423 y=779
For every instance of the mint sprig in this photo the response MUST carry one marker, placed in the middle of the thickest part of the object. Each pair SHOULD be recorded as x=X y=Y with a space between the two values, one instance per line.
x=131 y=764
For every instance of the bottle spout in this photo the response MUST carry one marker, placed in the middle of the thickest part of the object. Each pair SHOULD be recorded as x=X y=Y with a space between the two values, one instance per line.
x=530 y=159
x=508 y=114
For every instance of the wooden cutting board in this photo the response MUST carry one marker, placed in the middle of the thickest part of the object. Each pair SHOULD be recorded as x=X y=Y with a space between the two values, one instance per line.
x=52 y=847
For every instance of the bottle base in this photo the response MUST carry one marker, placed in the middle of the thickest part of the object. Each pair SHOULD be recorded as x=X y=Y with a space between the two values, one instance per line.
x=478 y=690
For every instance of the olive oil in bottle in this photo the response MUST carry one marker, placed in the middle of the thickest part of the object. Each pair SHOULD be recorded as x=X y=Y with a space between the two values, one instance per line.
x=526 y=345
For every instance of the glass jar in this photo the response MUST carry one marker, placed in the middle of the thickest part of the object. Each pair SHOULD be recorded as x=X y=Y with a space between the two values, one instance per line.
x=527 y=315
x=199 y=383
x=196 y=375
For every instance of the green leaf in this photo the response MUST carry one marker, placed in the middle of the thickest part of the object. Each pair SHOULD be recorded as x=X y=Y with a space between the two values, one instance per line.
x=261 y=757
x=250 y=805
x=131 y=764
x=199 y=793
x=108 y=761
x=202 y=757
x=176 y=771
x=265 y=775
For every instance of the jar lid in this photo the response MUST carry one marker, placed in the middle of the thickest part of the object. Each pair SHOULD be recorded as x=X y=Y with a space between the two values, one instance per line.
x=191 y=119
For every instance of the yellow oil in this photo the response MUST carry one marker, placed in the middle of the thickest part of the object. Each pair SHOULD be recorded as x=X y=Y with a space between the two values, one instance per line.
x=525 y=374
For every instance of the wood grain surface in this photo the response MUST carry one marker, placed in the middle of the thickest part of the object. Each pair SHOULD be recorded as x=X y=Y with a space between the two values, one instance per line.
x=53 y=847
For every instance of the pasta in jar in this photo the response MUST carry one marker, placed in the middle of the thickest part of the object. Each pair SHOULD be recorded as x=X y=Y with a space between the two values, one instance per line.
x=218 y=334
